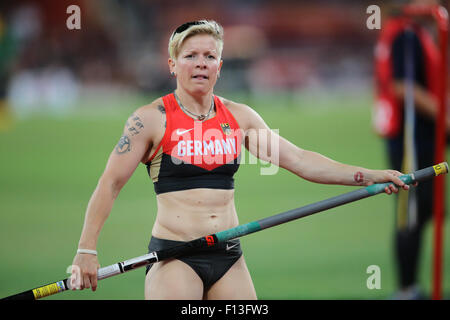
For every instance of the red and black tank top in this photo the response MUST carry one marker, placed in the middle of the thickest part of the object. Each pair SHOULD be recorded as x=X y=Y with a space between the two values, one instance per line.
x=196 y=154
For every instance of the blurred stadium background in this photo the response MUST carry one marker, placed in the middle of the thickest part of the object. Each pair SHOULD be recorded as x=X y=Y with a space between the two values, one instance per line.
x=306 y=67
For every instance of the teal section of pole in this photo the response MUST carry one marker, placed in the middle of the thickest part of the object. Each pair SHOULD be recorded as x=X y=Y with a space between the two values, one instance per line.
x=238 y=231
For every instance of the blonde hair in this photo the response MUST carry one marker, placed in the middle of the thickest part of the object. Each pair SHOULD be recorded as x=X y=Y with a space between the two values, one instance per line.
x=189 y=29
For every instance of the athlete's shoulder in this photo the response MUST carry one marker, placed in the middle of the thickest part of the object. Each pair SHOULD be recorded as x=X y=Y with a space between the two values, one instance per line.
x=154 y=107
x=152 y=113
x=148 y=119
x=243 y=113
x=235 y=107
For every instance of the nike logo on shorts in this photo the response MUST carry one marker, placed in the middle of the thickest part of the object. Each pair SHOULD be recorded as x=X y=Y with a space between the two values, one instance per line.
x=232 y=246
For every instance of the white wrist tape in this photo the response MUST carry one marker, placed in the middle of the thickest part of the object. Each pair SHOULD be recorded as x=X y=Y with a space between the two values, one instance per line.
x=94 y=252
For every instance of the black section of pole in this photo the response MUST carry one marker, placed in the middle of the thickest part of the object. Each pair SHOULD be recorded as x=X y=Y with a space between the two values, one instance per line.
x=313 y=208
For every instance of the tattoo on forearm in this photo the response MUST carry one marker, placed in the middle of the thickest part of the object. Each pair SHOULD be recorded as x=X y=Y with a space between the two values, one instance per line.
x=136 y=125
x=358 y=177
x=124 y=145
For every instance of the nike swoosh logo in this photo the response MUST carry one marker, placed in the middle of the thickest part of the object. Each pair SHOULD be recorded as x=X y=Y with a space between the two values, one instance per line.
x=179 y=132
x=232 y=246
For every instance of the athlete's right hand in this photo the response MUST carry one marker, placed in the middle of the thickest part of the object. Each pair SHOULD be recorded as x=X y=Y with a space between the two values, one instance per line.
x=84 y=272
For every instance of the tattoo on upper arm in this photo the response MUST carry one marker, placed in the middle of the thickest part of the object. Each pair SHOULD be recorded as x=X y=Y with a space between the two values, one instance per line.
x=136 y=125
x=124 y=145
x=163 y=111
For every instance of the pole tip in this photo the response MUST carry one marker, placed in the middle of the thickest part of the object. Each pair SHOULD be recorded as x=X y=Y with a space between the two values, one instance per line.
x=441 y=168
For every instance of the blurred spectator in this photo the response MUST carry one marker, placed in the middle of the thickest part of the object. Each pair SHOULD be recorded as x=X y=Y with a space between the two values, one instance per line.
x=408 y=64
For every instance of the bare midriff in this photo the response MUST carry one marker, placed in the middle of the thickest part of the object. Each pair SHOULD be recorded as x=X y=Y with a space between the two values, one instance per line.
x=191 y=214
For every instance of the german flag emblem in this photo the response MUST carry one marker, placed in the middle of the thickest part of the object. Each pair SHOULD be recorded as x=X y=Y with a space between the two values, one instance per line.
x=226 y=128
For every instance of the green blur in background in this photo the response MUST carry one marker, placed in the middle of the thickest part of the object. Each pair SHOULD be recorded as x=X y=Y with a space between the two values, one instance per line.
x=50 y=166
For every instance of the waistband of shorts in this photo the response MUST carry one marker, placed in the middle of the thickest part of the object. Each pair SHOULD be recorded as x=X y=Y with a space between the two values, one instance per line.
x=172 y=243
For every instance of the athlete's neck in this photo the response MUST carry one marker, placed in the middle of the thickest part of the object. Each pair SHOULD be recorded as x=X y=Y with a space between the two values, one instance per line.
x=198 y=104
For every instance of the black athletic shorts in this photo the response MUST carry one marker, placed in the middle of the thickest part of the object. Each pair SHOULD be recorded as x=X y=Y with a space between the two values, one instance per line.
x=209 y=263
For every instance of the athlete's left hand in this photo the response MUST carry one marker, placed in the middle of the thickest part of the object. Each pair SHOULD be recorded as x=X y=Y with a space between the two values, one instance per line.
x=383 y=176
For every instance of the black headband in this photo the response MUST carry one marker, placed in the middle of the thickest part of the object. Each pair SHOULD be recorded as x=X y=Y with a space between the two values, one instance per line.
x=186 y=26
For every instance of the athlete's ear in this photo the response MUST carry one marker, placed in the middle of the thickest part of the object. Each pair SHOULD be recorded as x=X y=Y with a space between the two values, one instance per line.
x=220 y=67
x=171 y=64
